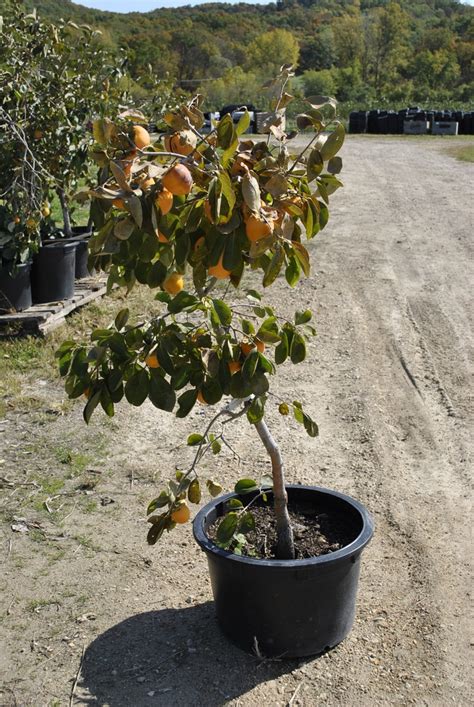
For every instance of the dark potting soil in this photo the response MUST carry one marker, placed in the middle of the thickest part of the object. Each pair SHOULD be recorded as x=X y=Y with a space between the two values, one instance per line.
x=316 y=532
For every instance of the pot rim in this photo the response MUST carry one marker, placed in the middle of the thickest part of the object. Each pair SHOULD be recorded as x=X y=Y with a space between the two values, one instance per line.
x=355 y=547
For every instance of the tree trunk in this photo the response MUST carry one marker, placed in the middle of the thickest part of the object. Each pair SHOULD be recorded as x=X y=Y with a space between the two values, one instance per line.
x=285 y=546
x=65 y=210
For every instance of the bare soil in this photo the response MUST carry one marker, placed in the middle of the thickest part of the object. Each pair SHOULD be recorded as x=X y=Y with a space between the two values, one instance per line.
x=90 y=615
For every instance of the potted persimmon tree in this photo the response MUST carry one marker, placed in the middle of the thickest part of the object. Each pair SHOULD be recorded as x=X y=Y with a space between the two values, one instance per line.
x=190 y=216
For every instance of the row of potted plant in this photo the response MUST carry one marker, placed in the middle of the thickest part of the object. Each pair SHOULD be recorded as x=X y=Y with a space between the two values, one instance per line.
x=53 y=79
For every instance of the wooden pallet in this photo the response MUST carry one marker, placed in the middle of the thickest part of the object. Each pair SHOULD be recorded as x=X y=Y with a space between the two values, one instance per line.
x=40 y=319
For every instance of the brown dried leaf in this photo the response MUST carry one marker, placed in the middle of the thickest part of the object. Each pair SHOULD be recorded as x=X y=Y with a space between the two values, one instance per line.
x=251 y=192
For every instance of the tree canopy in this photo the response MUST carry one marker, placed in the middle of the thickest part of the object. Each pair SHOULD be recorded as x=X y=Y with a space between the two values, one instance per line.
x=375 y=50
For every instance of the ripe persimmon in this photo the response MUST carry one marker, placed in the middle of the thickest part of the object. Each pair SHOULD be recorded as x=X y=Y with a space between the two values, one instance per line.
x=178 y=180
x=140 y=136
x=257 y=228
x=248 y=346
x=174 y=283
x=152 y=361
x=219 y=270
x=164 y=201
x=182 y=514
x=178 y=144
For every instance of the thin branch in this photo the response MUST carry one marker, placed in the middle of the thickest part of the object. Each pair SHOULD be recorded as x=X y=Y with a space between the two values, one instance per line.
x=76 y=680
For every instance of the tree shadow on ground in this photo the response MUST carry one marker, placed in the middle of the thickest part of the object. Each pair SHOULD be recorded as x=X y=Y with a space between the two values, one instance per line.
x=171 y=657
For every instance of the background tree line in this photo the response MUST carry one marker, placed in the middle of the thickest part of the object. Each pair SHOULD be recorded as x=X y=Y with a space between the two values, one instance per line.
x=365 y=52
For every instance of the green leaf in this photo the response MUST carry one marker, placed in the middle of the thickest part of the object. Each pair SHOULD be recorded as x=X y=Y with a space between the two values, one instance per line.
x=310 y=426
x=259 y=383
x=247 y=327
x=243 y=124
x=334 y=165
x=107 y=402
x=161 y=393
x=297 y=349
x=92 y=403
x=250 y=364
x=194 y=439
x=194 y=491
x=234 y=503
x=302 y=256
x=227 y=190
x=156 y=275
x=213 y=487
x=266 y=364
x=232 y=256
x=309 y=220
x=256 y=410
x=216 y=446
x=157 y=528
x=253 y=294
x=334 y=142
x=239 y=386
x=244 y=486
x=211 y=391
x=292 y=271
x=227 y=528
x=226 y=134
x=186 y=402
x=269 y=331
x=65 y=364
x=315 y=164
x=247 y=523
x=183 y=300
x=282 y=350
x=303 y=317
x=298 y=412
x=274 y=267
x=160 y=502
x=223 y=311
x=323 y=215
x=136 y=388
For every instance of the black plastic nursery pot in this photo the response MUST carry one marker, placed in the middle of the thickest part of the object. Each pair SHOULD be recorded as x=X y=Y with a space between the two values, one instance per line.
x=53 y=272
x=15 y=290
x=290 y=608
x=81 y=236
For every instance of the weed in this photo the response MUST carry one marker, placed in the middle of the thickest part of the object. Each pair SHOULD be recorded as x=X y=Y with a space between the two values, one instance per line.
x=87 y=543
x=35 y=605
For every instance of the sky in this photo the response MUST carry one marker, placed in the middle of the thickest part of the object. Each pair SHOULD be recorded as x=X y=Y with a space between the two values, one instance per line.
x=147 y=5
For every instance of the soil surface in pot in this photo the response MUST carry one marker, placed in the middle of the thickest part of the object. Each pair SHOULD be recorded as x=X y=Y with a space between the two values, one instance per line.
x=316 y=532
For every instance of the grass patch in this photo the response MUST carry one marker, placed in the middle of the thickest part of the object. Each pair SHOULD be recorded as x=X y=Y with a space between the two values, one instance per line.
x=36 y=605
x=24 y=362
x=463 y=153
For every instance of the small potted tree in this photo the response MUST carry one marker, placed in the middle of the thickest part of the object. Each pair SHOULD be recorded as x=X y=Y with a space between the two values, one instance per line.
x=284 y=560
x=53 y=79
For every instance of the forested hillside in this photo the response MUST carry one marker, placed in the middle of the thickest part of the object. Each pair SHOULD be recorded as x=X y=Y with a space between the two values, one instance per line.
x=363 y=51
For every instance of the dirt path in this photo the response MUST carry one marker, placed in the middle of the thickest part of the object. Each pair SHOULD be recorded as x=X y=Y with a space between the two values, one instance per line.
x=388 y=380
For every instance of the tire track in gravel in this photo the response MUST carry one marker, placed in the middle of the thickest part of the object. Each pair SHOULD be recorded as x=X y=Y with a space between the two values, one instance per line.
x=407 y=328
